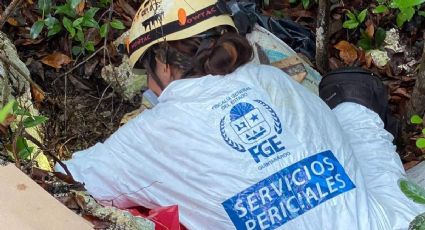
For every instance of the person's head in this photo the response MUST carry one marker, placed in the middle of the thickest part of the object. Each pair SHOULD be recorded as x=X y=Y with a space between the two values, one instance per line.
x=186 y=38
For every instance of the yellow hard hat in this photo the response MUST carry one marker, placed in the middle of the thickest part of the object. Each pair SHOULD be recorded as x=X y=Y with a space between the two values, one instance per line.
x=169 y=20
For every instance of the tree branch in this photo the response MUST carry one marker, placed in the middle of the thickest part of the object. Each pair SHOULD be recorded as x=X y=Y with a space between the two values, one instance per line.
x=322 y=36
x=8 y=11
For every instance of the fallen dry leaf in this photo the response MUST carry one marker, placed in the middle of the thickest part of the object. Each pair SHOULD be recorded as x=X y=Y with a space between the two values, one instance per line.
x=80 y=8
x=56 y=60
x=37 y=94
x=348 y=52
x=369 y=60
x=12 y=21
x=370 y=30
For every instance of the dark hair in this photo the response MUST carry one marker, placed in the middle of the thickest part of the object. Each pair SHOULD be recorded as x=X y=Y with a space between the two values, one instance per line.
x=215 y=52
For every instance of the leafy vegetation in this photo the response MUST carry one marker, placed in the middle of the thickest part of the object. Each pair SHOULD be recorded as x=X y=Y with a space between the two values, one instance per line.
x=354 y=19
x=76 y=20
x=417 y=120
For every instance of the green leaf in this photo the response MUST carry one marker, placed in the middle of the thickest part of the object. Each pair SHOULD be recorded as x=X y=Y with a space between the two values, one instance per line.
x=380 y=36
x=80 y=36
x=421 y=13
x=91 y=12
x=423 y=131
x=89 y=46
x=365 y=43
x=67 y=10
x=34 y=121
x=6 y=110
x=380 y=9
x=420 y=143
x=104 y=30
x=117 y=24
x=416 y=119
x=77 y=50
x=351 y=16
x=405 y=3
x=53 y=25
x=305 y=3
x=362 y=16
x=409 y=12
x=44 y=6
x=23 y=150
x=74 y=3
x=56 y=28
x=77 y=22
x=22 y=112
x=68 y=26
x=350 y=24
x=36 y=29
x=89 y=22
x=412 y=191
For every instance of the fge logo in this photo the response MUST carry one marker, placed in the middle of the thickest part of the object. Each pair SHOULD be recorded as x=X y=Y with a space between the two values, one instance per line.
x=251 y=126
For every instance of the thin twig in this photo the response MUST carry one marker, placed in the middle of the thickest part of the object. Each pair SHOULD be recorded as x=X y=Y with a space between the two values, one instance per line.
x=27 y=77
x=65 y=101
x=8 y=11
x=102 y=97
x=55 y=158
x=79 y=64
x=111 y=10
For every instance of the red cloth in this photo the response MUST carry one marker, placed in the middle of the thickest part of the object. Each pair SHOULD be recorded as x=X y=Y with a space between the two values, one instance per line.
x=165 y=218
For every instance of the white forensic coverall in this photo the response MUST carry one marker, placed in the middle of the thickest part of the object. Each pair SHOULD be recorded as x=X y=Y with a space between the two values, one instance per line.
x=252 y=150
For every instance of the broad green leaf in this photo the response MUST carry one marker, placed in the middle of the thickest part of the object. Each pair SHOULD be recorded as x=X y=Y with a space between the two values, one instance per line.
x=380 y=9
x=305 y=3
x=412 y=191
x=34 y=121
x=56 y=28
x=351 y=16
x=44 y=6
x=80 y=36
x=53 y=25
x=36 y=29
x=89 y=46
x=6 y=110
x=362 y=16
x=68 y=26
x=416 y=119
x=67 y=10
x=91 y=12
x=74 y=3
x=104 y=30
x=380 y=36
x=423 y=131
x=77 y=21
x=22 y=112
x=405 y=3
x=117 y=24
x=406 y=14
x=418 y=223
x=420 y=143
x=89 y=22
x=350 y=24
x=421 y=13
x=365 y=43
x=23 y=150
x=77 y=50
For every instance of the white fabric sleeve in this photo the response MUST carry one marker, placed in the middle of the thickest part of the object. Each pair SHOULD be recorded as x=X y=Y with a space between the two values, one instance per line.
x=378 y=161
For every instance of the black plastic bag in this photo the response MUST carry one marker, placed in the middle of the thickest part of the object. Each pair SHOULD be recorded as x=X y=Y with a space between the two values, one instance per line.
x=299 y=38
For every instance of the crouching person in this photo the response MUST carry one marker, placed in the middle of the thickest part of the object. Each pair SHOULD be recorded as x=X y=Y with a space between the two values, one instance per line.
x=238 y=145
